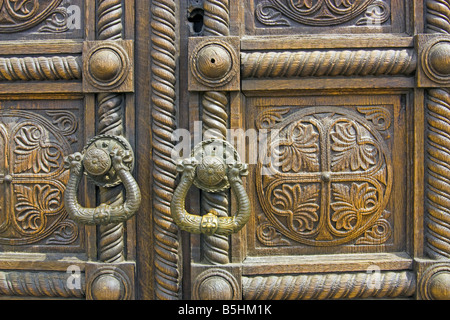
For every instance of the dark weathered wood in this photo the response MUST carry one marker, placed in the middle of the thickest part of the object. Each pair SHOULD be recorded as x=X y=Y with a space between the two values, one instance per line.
x=358 y=89
x=300 y=73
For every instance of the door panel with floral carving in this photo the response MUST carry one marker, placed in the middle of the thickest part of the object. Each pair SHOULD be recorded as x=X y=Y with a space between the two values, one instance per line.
x=329 y=182
x=35 y=143
x=331 y=16
x=47 y=114
x=327 y=119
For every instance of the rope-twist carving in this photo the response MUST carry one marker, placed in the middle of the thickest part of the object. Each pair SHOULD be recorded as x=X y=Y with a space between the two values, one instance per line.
x=437 y=148
x=329 y=286
x=215 y=248
x=166 y=243
x=110 y=114
x=217 y=18
x=39 y=285
x=438 y=174
x=328 y=63
x=109 y=20
x=40 y=68
x=438 y=16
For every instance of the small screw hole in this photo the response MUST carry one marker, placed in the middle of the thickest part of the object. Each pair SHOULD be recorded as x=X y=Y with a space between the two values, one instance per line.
x=213 y=60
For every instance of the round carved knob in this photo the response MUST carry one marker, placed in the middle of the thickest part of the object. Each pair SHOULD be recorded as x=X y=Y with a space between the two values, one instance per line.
x=326 y=176
x=439 y=58
x=105 y=65
x=211 y=171
x=215 y=284
x=216 y=288
x=214 y=61
x=97 y=162
x=440 y=286
x=107 y=287
x=8 y=178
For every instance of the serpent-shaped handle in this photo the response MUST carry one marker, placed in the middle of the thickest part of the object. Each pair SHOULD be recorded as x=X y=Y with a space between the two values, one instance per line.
x=103 y=214
x=210 y=223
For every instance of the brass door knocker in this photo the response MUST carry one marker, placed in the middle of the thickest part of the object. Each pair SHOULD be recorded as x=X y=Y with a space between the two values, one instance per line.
x=107 y=161
x=214 y=166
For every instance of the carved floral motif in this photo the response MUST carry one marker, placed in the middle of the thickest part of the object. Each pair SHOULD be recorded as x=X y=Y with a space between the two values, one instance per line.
x=299 y=150
x=352 y=151
x=328 y=179
x=321 y=12
x=19 y=15
x=32 y=177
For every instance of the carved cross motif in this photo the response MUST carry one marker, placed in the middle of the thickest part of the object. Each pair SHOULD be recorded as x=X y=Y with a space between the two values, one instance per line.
x=329 y=178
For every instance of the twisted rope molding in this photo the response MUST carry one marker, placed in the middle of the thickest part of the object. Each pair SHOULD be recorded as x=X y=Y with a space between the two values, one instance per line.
x=437 y=149
x=39 y=285
x=215 y=248
x=329 y=286
x=110 y=114
x=437 y=204
x=328 y=63
x=109 y=23
x=163 y=66
x=217 y=18
x=438 y=16
x=40 y=68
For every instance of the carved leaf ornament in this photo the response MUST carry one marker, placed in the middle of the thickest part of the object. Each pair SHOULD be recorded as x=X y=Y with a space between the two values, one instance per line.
x=330 y=178
x=32 y=177
x=19 y=15
x=321 y=12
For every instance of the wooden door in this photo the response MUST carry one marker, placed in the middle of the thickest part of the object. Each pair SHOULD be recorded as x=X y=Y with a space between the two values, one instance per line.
x=340 y=110
x=66 y=75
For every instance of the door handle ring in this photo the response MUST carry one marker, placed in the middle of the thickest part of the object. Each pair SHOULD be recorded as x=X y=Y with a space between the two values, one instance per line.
x=211 y=173
x=107 y=161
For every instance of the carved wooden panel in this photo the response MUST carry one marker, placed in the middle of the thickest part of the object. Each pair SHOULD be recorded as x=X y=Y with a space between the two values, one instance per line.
x=43 y=19
x=35 y=136
x=330 y=16
x=324 y=182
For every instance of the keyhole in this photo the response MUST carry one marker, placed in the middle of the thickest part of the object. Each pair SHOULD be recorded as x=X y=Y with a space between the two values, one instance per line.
x=196 y=20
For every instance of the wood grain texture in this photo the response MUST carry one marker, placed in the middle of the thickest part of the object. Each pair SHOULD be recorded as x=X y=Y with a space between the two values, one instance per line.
x=329 y=63
x=329 y=286
x=163 y=67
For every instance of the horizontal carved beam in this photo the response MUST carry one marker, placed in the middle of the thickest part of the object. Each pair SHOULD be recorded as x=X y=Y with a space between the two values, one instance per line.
x=40 y=68
x=330 y=286
x=40 y=285
x=328 y=63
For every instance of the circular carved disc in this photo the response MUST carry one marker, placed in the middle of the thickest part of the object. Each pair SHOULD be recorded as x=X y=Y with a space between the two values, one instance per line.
x=214 y=61
x=96 y=152
x=213 y=157
x=105 y=65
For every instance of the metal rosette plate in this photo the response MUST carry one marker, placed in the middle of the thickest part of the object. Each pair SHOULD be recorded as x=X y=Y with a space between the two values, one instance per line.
x=214 y=156
x=97 y=159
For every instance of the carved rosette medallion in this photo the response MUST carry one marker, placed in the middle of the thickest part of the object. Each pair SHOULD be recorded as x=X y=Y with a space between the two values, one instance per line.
x=321 y=12
x=32 y=177
x=19 y=15
x=327 y=177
